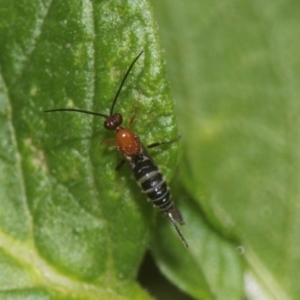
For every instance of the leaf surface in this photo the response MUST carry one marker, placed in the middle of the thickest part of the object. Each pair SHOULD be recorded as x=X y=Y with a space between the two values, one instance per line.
x=72 y=227
x=234 y=69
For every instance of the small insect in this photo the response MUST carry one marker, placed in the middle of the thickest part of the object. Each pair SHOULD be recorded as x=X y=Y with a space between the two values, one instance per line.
x=147 y=174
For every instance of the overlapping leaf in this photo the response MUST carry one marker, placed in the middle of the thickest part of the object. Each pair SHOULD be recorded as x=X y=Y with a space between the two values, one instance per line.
x=235 y=73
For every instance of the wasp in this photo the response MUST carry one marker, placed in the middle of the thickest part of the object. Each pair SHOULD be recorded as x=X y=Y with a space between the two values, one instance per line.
x=146 y=172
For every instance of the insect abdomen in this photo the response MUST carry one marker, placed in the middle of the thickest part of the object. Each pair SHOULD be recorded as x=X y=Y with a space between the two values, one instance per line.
x=153 y=184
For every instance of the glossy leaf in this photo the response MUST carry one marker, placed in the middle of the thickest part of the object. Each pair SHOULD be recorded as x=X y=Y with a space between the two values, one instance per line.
x=72 y=227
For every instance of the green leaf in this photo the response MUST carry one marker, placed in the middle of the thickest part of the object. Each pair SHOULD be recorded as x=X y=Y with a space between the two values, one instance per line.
x=72 y=227
x=234 y=69
x=209 y=268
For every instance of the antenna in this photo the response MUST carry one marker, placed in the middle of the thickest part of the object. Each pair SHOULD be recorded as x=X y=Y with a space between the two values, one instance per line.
x=76 y=110
x=122 y=83
x=114 y=101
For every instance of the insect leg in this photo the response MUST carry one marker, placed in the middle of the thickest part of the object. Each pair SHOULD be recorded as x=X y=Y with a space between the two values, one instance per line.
x=107 y=141
x=164 y=143
x=120 y=165
x=134 y=114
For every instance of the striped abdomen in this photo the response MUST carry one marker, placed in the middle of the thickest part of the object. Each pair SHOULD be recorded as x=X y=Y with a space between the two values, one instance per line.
x=154 y=185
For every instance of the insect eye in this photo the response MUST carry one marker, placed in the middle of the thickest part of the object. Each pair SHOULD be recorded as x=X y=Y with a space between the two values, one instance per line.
x=118 y=119
x=113 y=121
x=106 y=125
